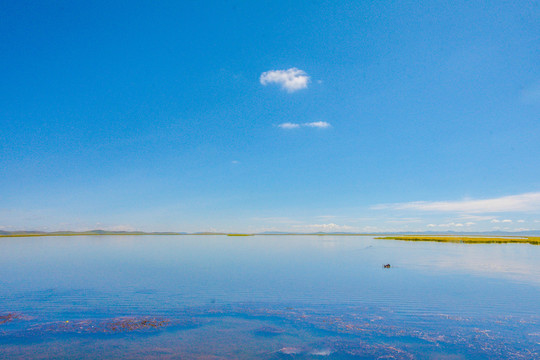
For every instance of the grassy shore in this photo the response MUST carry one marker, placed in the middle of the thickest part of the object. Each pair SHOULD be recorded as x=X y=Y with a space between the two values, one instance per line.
x=467 y=239
x=534 y=240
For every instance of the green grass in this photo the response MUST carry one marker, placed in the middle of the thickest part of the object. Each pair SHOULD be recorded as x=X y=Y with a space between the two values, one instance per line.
x=467 y=239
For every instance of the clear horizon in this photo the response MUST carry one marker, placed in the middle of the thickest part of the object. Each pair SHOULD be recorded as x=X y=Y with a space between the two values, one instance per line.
x=270 y=116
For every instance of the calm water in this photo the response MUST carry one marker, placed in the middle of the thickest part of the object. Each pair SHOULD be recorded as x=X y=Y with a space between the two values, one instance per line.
x=267 y=297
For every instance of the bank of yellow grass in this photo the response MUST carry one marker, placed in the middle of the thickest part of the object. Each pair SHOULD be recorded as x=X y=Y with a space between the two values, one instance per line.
x=533 y=240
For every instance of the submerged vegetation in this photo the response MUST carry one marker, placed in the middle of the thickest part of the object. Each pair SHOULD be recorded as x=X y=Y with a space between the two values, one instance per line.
x=5 y=318
x=534 y=240
x=357 y=332
x=110 y=326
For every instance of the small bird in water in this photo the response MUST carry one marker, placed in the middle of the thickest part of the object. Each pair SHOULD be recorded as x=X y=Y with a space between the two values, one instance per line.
x=387 y=266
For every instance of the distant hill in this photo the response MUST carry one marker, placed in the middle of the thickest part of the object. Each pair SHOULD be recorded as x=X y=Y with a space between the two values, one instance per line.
x=106 y=232
x=273 y=233
x=90 y=232
x=208 y=233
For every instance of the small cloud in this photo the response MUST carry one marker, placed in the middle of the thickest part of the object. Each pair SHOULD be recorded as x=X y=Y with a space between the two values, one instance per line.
x=507 y=221
x=521 y=221
x=235 y=162
x=326 y=227
x=290 y=80
x=475 y=217
x=316 y=124
x=452 y=224
x=513 y=203
x=289 y=126
x=494 y=221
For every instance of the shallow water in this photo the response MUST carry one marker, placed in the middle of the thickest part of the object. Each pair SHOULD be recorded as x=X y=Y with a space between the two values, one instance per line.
x=322 y=297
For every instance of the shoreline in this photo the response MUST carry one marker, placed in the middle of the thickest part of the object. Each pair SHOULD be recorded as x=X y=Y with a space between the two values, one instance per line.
x=533 y=240
x=465 y=239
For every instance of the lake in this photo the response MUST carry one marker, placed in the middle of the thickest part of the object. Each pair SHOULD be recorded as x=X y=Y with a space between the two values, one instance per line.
x=266 y=297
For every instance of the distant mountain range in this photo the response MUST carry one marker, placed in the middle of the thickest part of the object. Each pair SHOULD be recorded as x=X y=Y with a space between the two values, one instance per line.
x=494 y=233
x=90 y=232
x=106 y=232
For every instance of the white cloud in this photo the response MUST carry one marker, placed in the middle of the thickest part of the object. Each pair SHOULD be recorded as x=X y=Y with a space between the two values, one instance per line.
x=514 y=203
x=475 y=217
x=235 y=162
x=452 y=224
x=326 y=227
x=290 y=80
x=521 y=221
x=494 y=221
x=289 y=125
x=507 y=221
x=316 y=124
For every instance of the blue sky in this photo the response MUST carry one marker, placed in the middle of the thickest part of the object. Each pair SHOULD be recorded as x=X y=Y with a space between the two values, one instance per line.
x=269 y=115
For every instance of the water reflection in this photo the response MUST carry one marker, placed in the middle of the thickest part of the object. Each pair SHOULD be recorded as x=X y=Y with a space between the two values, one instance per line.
x=516 y=262
x=279 y=296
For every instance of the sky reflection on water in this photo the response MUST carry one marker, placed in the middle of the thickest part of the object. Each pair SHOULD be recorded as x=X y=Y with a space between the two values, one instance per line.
x=55 y=279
